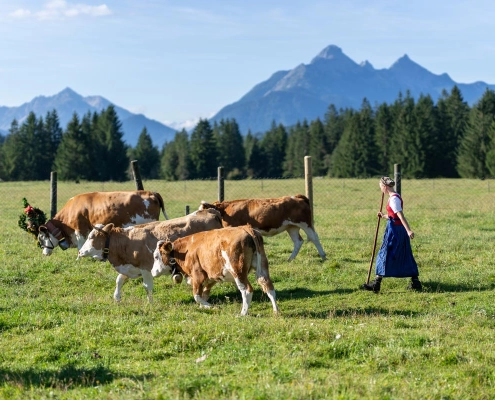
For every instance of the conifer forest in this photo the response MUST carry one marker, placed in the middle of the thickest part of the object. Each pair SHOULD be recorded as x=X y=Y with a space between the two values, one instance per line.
x=448 y=139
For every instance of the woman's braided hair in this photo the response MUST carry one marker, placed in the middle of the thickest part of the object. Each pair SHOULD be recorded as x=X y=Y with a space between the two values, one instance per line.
x=387 y=181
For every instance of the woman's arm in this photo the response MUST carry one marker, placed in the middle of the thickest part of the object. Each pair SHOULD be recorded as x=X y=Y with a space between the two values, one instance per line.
x=403 y=219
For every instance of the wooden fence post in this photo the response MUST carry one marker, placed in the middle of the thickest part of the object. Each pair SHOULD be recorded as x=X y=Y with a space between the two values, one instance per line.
x=53 y=194
x=137 y=175
x=308 y=177
x=187 y=210
x=397 y=178
x=221 y=188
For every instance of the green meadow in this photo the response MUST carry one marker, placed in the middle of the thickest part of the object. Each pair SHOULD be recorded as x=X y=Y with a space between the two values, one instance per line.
x=62 y=336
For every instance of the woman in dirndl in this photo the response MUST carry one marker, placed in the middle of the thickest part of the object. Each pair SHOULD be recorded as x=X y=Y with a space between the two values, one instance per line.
x=395 y=258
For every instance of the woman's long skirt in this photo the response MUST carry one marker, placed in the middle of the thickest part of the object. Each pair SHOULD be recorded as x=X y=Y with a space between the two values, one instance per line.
x=395 y=258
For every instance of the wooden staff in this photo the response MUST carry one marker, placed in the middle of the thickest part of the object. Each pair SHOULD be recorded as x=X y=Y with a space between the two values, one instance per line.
x=374 y=244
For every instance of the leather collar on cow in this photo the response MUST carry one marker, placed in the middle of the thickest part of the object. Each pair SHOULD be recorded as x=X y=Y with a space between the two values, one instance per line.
x=173 y=262
x=106 y=249
x=57 y=233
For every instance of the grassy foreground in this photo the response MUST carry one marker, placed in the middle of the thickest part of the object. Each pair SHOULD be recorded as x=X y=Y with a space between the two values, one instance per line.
x=62 y=335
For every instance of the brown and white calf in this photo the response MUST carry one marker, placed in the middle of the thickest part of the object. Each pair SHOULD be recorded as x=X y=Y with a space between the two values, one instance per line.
x=272 y=216
x=130 y=250
x=72 y=224
x=222 y=255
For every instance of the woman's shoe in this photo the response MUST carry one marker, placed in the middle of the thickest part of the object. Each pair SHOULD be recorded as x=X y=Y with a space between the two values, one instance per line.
x=374 y=285
x=415 y=285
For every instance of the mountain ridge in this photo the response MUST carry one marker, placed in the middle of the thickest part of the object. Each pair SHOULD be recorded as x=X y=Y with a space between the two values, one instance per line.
x=331 y=77
x=67 y=101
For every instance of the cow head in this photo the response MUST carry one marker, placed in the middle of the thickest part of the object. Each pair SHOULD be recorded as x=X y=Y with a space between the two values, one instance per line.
x=164 y=261
x=96 y=245
x=49 y=237
x=206 y=206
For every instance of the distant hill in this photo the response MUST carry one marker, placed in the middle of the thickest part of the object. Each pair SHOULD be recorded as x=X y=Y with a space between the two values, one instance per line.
x=306 y=91
x=67 y=102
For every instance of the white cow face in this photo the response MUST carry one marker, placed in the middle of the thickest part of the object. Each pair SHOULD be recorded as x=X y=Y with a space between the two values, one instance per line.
x=161 y=264
x=47 y=241
x=95 y=243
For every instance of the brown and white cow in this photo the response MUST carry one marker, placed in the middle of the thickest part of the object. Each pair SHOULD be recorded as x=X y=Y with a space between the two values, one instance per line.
x=72 y=224
x=222 y=255
x=130 y=250
x=271 y=217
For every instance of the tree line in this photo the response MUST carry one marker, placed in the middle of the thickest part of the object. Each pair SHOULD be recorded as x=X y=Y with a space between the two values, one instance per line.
x=443 y=139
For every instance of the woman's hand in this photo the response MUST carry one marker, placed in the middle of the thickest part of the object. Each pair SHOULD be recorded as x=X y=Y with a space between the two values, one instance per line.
x=411 y=234
x=381 y=215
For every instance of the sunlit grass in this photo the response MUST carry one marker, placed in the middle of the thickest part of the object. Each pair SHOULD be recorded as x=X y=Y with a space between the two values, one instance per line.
x=62 y=335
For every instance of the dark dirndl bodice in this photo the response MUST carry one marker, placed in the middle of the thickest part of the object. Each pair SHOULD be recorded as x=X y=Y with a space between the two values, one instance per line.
x=395 y=258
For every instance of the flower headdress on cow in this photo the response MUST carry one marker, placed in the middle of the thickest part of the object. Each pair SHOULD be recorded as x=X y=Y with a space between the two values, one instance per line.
x=31 y=219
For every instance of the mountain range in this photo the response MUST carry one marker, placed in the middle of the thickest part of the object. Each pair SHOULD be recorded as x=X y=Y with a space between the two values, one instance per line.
x=304 y=92
x=68 y=101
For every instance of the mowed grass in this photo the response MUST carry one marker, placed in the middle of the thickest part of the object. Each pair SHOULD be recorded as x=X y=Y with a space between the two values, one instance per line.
x=64 y=337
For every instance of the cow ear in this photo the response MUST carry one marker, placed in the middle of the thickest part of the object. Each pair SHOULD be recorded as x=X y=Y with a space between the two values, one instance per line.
x=168 y=246
x=108 y=227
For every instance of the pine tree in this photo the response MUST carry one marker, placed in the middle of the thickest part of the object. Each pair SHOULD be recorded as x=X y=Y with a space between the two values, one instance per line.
x=427 y=143
x=203 y=151
x=256 y=161
x=52 y=127
x=274 y=145
x=98 y=151
x=12 y=154
x=255 y=157
x=73 y=161
x=147 y=155
x=317 y=147
x=403 y=137
x=355 y=155
x=168 y=162
x=453 y=117
x=116 y=161
x=182 y=148
x=477 y=143
x=297 y=147
x=334 y=128
x=230 y=147
x=383 y=137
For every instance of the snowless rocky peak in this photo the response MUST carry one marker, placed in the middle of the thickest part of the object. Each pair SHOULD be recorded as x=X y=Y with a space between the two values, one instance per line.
x=330 y=52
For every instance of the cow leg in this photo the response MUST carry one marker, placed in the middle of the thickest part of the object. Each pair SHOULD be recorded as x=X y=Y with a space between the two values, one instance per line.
x=263 y=279
x=148 y=283
x=121 y=279
x=247 y=293
x=197 y=283
x=313 y=237
x=206 y=290
x=293 y=232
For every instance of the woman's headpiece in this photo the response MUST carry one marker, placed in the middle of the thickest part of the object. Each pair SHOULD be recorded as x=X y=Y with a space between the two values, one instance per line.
x=387 y=181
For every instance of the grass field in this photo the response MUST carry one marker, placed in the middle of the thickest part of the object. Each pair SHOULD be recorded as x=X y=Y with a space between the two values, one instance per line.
x=64 y=337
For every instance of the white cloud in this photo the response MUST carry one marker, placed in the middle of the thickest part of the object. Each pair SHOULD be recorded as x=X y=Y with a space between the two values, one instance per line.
x=20 y=13
x=187 y=125
x=60 y=9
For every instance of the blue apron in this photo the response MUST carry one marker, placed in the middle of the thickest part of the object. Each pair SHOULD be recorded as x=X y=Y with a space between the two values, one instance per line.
x=395 y=258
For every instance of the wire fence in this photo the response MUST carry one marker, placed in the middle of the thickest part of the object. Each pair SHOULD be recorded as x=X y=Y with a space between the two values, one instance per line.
x=348 y=198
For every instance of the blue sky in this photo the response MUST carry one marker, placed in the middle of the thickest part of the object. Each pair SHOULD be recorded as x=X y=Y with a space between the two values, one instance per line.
x=178 y=61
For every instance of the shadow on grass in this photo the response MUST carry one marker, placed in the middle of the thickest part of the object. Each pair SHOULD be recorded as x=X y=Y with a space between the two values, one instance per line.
x=349 y=312
x=67 y=377
x=283 y=294
x=440 y=287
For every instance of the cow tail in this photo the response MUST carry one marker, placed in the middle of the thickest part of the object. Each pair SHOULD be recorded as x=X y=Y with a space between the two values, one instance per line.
x=249 y=229
x=162 y=204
